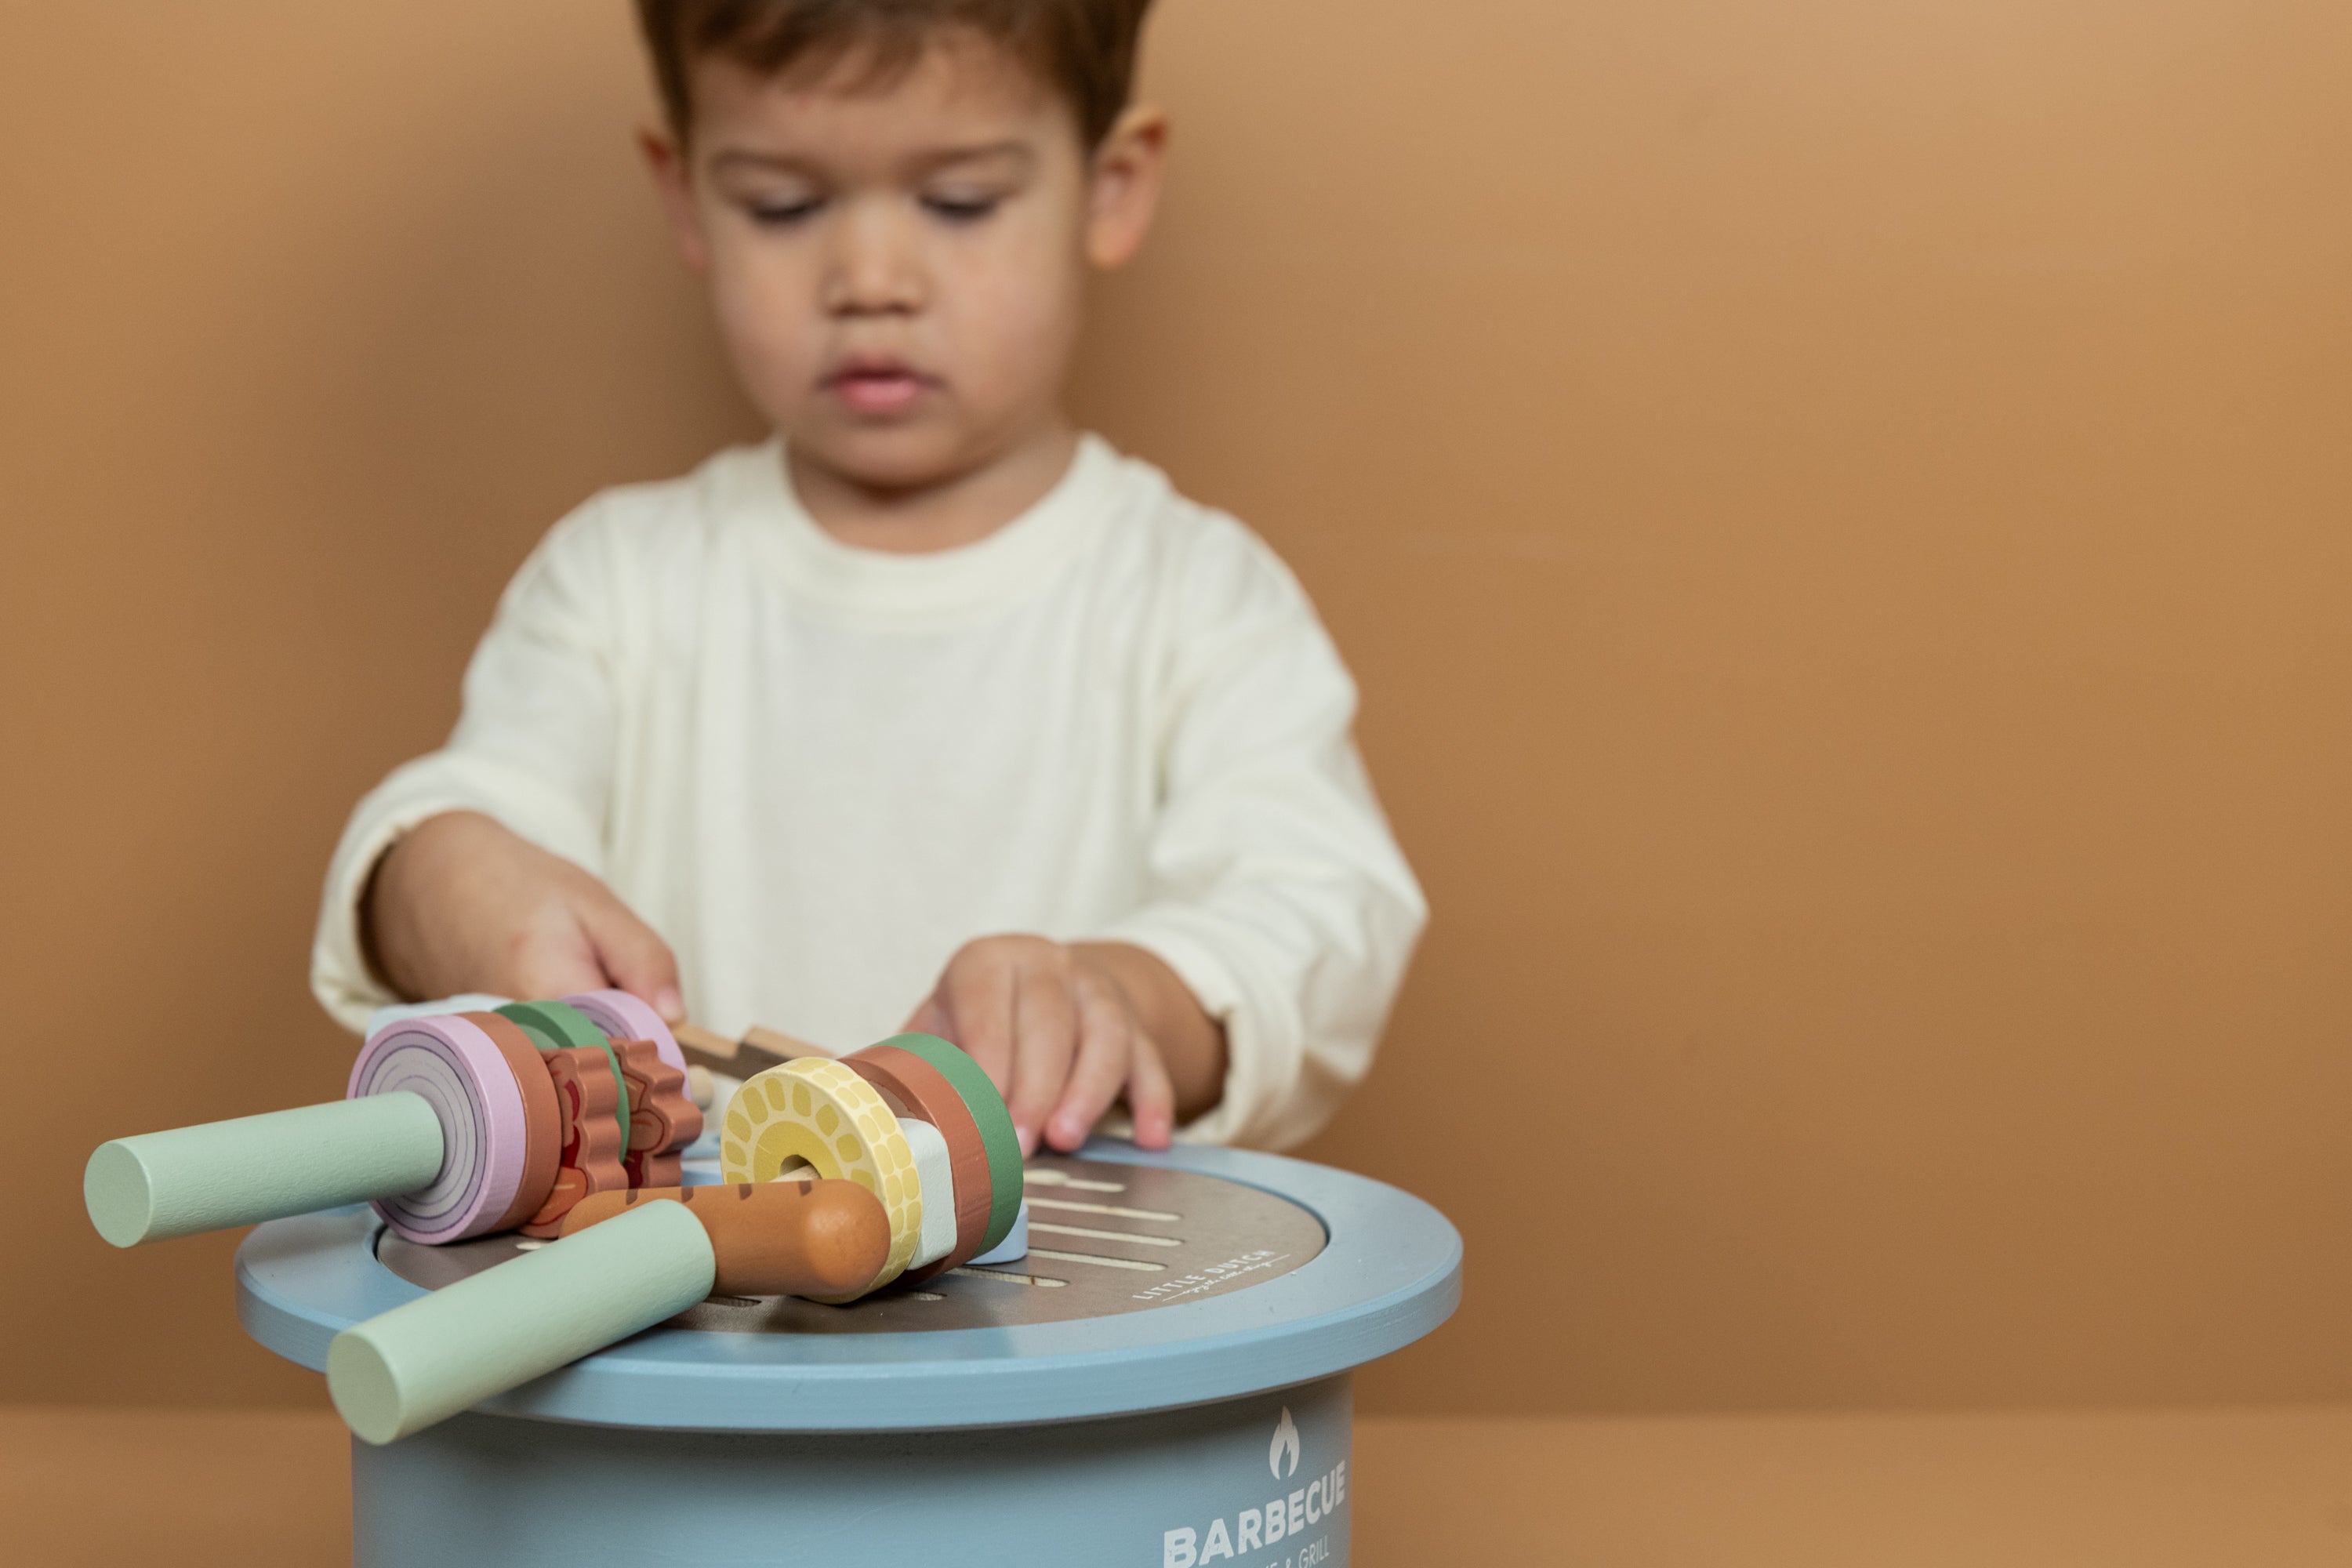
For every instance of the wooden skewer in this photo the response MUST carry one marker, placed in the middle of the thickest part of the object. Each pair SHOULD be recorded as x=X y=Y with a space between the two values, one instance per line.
x=759 y=1049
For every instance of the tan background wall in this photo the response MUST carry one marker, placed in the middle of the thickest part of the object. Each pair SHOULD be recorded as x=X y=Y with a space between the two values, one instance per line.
x=1839 y=511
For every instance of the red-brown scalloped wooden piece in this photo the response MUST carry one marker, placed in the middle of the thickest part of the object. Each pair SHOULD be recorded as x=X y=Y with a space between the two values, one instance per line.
x=591 y=1133
x=662 y=1116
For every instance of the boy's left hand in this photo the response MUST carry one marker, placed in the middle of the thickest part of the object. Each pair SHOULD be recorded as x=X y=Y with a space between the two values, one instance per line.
x=1065 y=1028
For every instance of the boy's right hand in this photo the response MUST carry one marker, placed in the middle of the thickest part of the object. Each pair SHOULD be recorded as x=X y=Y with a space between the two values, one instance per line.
x=460 y=904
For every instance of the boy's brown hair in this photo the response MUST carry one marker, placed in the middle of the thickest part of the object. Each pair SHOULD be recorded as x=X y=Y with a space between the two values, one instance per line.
x=1084 y=49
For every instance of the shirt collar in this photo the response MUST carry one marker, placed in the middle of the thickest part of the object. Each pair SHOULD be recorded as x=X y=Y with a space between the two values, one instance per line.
x=1008 y=564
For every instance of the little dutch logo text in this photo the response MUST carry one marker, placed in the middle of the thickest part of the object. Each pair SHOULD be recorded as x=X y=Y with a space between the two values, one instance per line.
x=1215 y=1277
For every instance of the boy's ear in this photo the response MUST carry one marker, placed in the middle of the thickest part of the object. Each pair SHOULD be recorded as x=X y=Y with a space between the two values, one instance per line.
x=674 y=184
x=1123 y=189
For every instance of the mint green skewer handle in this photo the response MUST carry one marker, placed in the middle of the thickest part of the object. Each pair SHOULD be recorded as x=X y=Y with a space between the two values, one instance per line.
x=403 y=1370
x=224 y=1173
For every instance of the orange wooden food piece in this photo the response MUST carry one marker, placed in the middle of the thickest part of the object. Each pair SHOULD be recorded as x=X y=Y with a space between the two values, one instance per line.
x=772 y=1238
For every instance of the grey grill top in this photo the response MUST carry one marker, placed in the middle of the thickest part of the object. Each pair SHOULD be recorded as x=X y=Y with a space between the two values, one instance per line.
x=1359 y=1269
x=1103 y=1238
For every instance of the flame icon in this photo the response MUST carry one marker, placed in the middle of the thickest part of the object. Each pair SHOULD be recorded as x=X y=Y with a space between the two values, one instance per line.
x=1286 y=1441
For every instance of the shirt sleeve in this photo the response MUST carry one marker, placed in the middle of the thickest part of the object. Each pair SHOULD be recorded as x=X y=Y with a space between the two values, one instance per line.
x=532 y=749
x=1279 y=896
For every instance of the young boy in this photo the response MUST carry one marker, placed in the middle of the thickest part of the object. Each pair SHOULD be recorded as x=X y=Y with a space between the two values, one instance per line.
x=932 y=713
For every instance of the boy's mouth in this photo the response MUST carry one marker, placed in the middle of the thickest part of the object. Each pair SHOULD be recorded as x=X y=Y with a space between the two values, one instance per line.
x=878 y=387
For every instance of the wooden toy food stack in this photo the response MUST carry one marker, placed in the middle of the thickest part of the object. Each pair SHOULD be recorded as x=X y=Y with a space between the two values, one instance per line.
x=453 y=1126
x=566 y=1119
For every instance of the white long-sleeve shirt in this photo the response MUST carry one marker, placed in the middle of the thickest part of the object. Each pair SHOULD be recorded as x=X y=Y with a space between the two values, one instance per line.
x=818 y=770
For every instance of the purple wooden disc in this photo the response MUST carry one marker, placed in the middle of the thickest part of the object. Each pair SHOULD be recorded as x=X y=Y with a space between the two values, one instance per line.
x=625 y=1017
x=462 y=1074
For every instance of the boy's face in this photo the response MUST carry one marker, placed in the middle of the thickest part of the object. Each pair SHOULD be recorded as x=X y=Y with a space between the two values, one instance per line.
x=897 y=267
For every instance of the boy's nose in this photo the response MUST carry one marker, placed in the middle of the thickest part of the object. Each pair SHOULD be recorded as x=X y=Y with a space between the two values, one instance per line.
x=874 y=269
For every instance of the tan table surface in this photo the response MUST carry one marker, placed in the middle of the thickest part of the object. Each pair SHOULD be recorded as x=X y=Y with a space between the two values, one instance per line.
x=2265 y=1488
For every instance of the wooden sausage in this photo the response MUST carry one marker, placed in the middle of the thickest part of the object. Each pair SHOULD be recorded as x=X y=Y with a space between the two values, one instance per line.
x=772 y=1238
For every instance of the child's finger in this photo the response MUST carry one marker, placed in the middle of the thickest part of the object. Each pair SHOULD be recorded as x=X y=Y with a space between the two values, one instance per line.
x=975 y=998
x=930 y=1019
x=1106 y=1042
x=1047 y=1023
x=1151 y=1097
x=554 y=957
x=632 y=952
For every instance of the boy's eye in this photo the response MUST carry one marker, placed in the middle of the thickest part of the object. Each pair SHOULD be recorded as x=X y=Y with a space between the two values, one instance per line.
x=780 y=213
x=961 y=209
